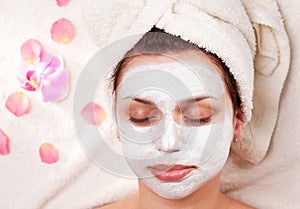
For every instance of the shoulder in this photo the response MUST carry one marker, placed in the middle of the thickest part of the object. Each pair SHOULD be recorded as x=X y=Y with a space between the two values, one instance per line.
x=109 y=206
x=239 y=205
x=127 y=202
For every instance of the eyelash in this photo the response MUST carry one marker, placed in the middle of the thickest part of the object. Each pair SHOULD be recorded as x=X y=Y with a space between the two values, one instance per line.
x=194 y=121
x=135 y=120
x=199 y=120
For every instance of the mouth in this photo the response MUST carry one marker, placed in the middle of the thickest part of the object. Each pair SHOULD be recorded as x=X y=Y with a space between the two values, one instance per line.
x=171 y=172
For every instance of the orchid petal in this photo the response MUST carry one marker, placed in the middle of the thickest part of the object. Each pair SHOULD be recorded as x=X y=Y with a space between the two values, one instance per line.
x=31 y=50
x=45 y=60
x=30 y=81
x=62 y=31
x=56 y=86
x=3 y=143
x=93 y=114
x=24 y=67
x=31 y=75
x=55 y=63
x=18 y=104
x=62 y=3
x=48 y=153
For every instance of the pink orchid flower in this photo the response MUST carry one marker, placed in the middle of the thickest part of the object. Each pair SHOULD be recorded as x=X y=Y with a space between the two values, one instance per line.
x=48 y=74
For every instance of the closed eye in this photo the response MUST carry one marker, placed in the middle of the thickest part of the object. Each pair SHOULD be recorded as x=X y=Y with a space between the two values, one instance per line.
x=197 y=121
x=144 y=121
x=136 y=120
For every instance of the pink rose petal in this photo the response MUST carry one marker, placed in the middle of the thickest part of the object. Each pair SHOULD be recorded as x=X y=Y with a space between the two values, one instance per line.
x=18 y=104
x=3 y=143
x=48 y=153
x=62 y=31
x=93 y=113
x=31 y=50
x=62 y=3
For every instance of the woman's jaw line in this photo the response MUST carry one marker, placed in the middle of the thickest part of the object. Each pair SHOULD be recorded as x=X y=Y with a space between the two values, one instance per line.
x=207 y=193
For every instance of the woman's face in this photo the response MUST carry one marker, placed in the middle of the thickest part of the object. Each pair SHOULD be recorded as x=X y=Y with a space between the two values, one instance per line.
x=175 y=121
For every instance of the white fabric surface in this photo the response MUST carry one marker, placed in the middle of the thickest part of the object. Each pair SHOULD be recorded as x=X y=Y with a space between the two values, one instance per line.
x=74 y=182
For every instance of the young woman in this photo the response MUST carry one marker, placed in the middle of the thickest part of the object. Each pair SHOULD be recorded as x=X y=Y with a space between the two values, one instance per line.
x=177 y=110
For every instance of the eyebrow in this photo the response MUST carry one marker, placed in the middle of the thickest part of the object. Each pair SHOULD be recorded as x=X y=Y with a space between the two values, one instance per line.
x=144 y=101
x=196 y=99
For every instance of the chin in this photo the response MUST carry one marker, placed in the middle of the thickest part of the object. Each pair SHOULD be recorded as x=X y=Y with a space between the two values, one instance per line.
x=174 y=190
x=175 y=195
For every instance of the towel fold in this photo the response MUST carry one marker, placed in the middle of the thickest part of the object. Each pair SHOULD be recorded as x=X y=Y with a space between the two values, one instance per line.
x=74 y=181
x=272 y=62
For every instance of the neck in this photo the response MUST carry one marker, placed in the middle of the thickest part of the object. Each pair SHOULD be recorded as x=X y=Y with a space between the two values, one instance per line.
x=206 y=197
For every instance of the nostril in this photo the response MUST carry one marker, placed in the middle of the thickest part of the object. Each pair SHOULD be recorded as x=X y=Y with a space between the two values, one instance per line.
x=167 y=145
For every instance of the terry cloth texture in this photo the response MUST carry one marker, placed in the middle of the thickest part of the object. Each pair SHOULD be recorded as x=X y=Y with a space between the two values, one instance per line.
x=74 y=181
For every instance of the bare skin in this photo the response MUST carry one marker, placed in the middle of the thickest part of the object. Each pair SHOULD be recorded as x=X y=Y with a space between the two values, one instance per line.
x=207 y=196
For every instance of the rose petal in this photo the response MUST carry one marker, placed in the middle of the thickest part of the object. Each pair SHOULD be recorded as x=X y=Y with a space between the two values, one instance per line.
x=31 y=50
x=93 y=113
x=3 y=143
x=62 y=31
x=18 y=104
x=56 y=86
x=62 y=3
x=48 y=153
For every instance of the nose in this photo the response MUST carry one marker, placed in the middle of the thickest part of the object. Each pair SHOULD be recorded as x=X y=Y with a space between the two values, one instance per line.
x=168 y=141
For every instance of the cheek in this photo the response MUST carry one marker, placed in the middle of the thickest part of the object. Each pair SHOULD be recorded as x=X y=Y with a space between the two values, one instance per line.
x=133 y=154
x=211 y=141
x=139 y=157
x=138 y=150
x=220 y=154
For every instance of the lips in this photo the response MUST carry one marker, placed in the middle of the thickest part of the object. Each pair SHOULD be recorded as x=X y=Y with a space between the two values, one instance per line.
x=171 y=172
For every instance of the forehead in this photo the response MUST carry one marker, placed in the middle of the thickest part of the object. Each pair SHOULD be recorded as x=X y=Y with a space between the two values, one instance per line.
x=194 y=75
x=197 y=57
x=193 y=61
